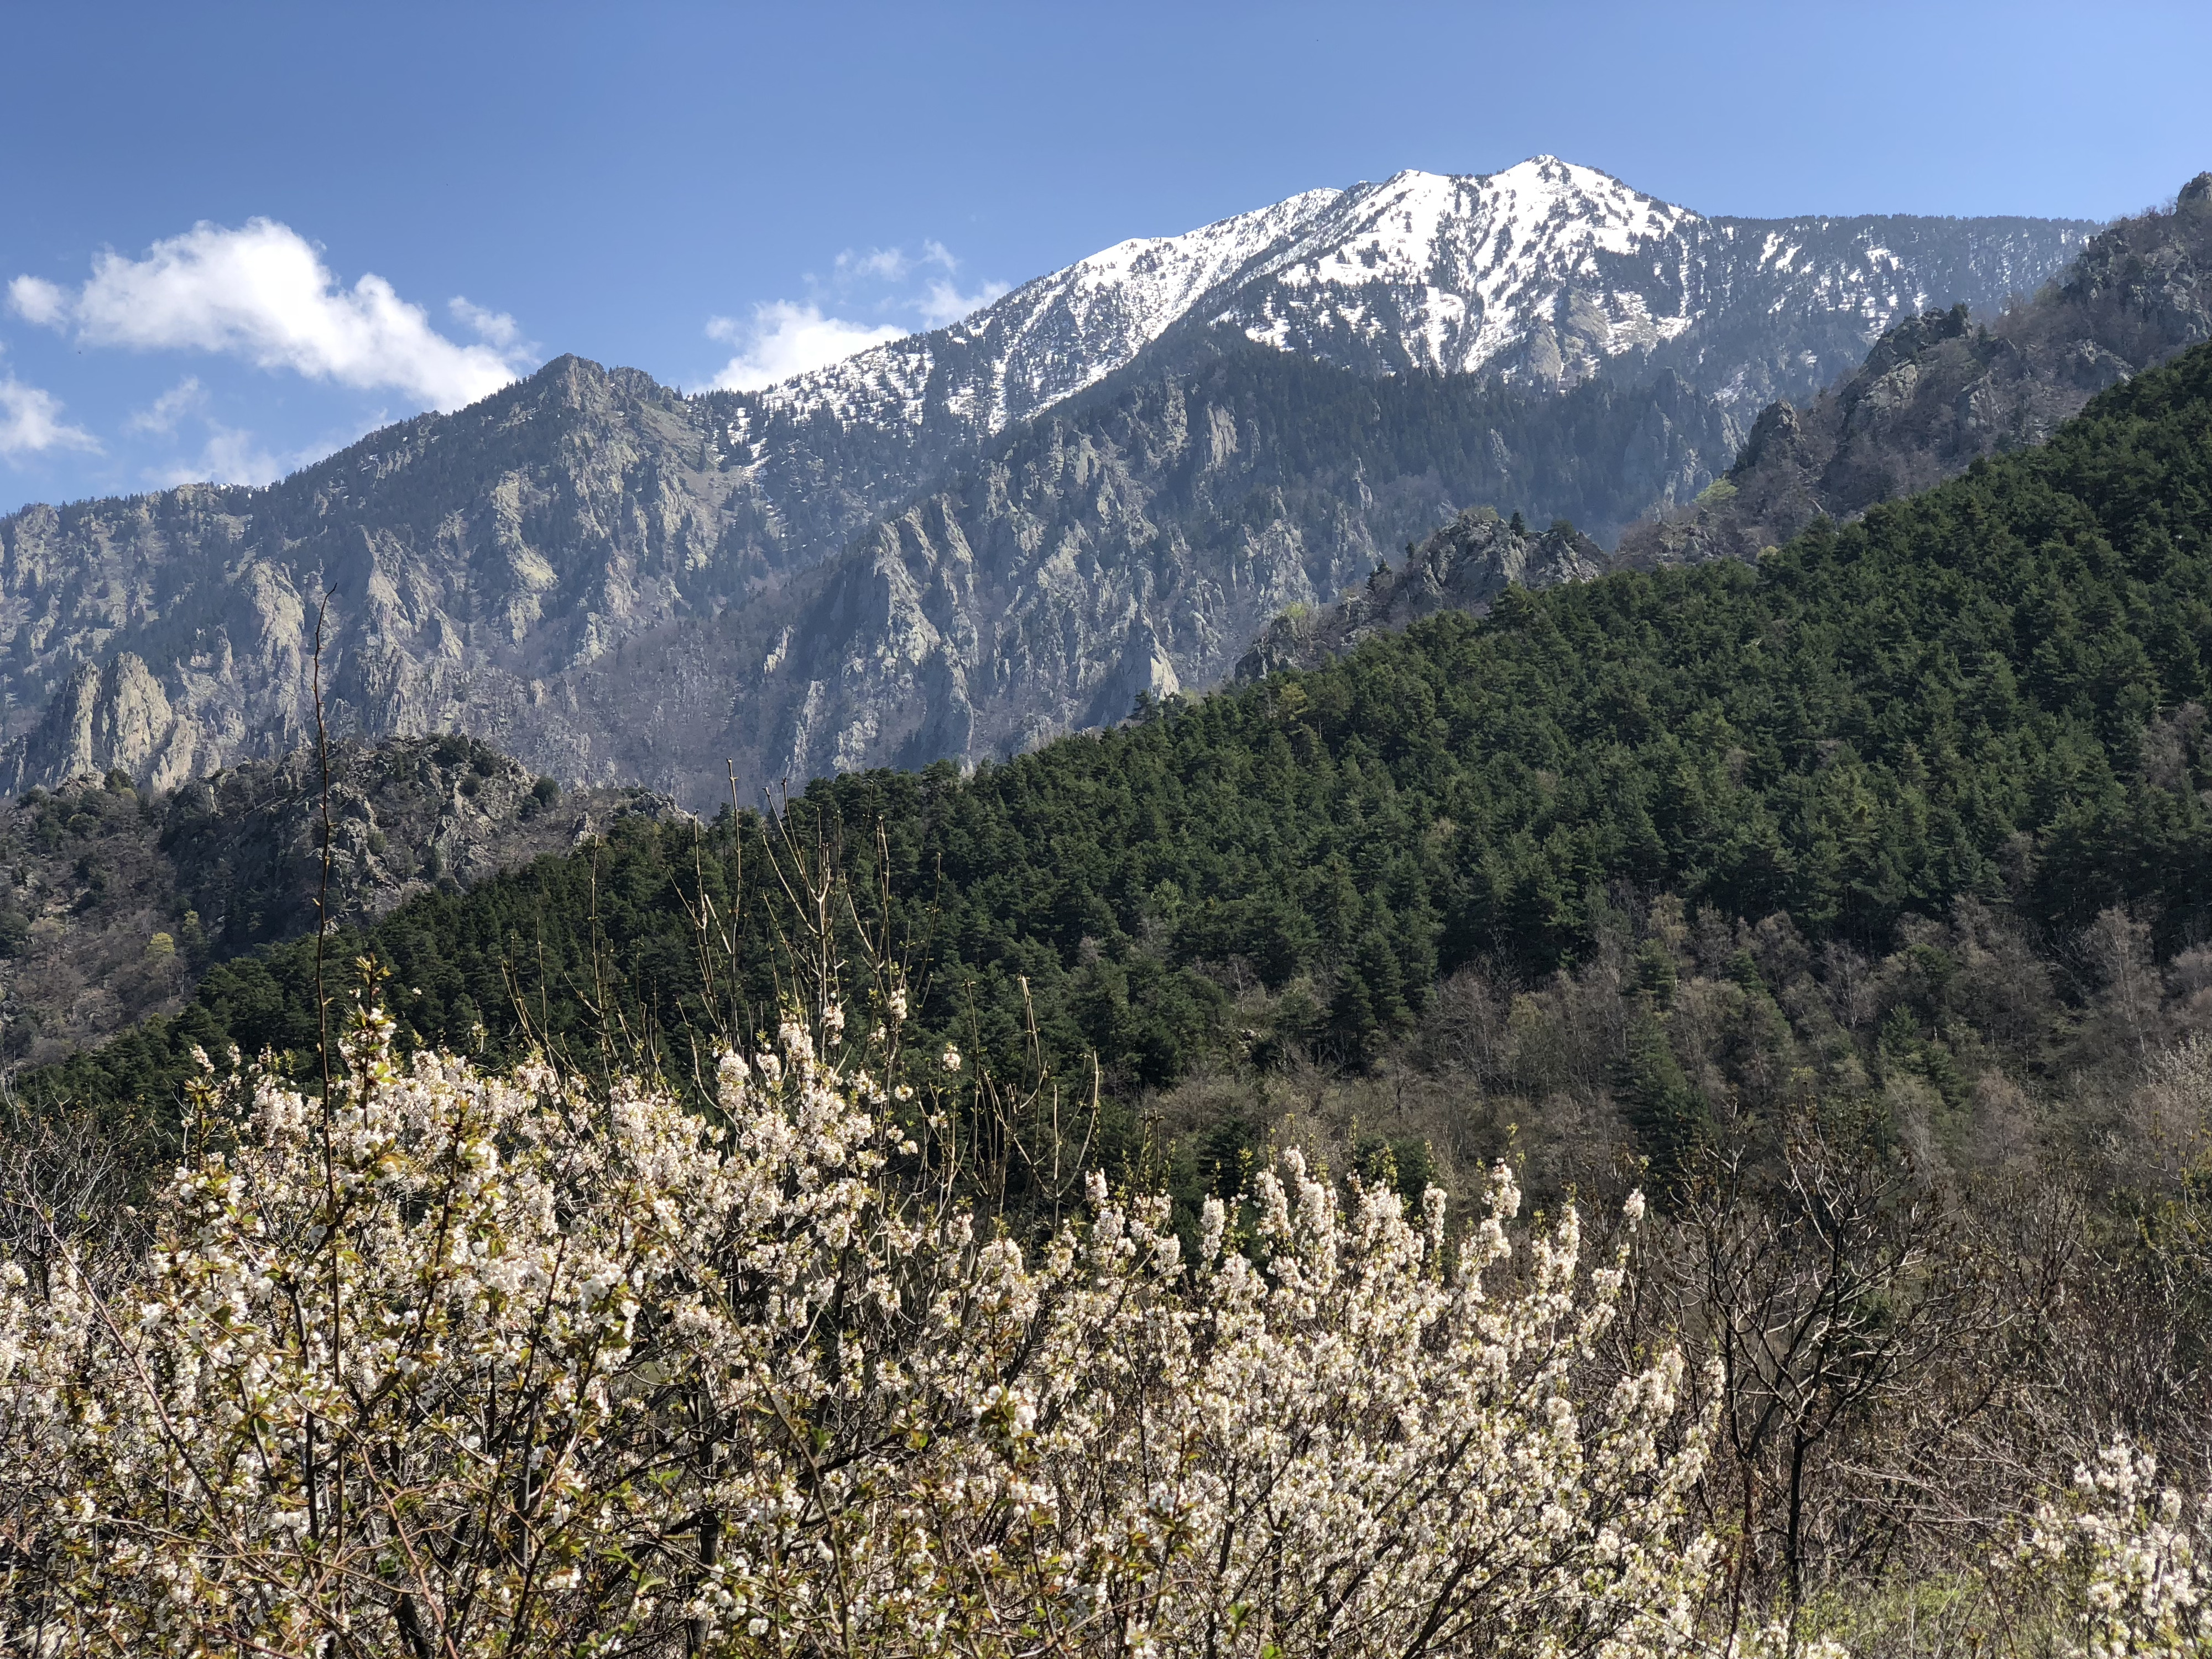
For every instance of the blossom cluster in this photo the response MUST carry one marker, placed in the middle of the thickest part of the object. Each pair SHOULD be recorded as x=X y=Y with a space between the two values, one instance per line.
x=457 y=1363
x=2133 y=1566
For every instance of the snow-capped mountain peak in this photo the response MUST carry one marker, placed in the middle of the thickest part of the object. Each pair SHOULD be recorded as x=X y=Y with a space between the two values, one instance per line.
x=1545 y=273
x=1056 y=335
x=1543 y=207
x=1447 y=272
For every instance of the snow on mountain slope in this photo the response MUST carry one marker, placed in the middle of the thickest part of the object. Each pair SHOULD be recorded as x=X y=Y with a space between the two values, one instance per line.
x=1077 y=326
x=1543 y=272
x=1447 y=273
x=1051 y=338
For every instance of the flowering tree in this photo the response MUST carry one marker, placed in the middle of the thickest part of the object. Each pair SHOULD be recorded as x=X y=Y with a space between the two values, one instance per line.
x=2126 y=1567
x=456 y=1364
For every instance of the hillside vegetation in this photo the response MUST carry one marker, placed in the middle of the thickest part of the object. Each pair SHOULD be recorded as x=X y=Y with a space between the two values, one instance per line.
x=1992 y=693
x=1852 y=904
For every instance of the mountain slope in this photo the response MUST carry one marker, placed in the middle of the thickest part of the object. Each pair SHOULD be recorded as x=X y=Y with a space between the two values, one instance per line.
x=1939 y=391
x=118 y=900
x=1130 y=546
x=505 y=569
x=467 y=558
x=552 y=571
x=1993 y=693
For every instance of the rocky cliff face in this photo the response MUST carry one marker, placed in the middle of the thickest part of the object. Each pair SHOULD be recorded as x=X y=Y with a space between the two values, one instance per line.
x=556 y=572
x=112 y=902
x=477 y=566
x=465 y=558
x=1466 y=566
x=1939 y=390
x=106 y=715
x=1134 y=545
x=617 y=582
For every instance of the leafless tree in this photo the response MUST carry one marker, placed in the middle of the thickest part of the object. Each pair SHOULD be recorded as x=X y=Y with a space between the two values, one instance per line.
x=1861 y=1322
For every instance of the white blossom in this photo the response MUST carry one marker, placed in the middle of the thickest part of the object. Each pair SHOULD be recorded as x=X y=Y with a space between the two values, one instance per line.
x=471 y=1365
x=2134 y=1570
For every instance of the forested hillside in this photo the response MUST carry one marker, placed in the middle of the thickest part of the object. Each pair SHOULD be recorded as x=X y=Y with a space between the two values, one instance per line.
x=117 y=899
x=1993 y=693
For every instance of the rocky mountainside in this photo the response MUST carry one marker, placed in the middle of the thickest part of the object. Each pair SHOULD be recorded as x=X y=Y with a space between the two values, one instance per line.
x=467 y=559
x=113 y=901
x=1466 y=566
x=1940 y=390
x=507 y=570
x=1936 y=391
x=1130 y=546
x=552 y=571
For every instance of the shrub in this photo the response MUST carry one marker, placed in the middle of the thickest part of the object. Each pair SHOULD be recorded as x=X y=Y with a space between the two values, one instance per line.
x=2124 y=1563
x=459 y=1366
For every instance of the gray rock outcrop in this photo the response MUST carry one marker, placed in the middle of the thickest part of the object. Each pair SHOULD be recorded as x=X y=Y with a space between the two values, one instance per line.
x=117 y=899
x=105 y=716
x=1465 y=567
x=1939 y=390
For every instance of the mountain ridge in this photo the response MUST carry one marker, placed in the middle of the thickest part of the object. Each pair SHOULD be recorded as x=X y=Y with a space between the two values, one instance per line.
x=1534 y=242
x=1465 y=565
x=1942 y=390
x=506 y=568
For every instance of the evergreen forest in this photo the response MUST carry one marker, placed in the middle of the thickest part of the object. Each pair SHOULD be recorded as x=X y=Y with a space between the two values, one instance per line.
x=1991 y=695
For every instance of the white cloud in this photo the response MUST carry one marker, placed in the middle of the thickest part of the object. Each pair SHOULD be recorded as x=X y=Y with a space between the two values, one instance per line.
x=784 y=339
x=40 y=301
x=262 y=293
x=891 y=264
x=31 y=422
x=787 y=338
x=229 y=457
x=234 y=456
x=945 y=303
x=494 y=328
x=886 y=265
x=186 y=397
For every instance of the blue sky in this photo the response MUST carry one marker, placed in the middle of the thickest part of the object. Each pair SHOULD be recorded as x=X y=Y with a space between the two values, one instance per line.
x=702 y=192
